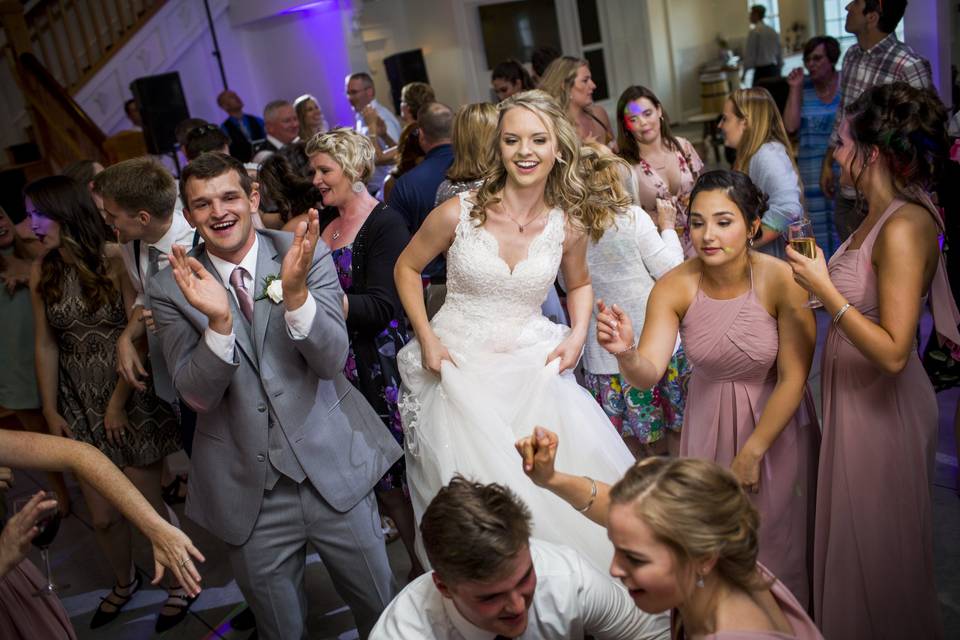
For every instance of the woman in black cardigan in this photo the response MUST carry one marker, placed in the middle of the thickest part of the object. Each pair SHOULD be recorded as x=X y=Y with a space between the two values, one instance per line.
x=366 y=237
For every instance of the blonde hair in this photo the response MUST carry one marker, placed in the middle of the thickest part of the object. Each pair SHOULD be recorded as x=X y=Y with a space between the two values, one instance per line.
x=756 y=107
x=350 y=149
x=570 y=186
x=558 y=79
x=474 y=133
x=300 y=106
x=698 y=509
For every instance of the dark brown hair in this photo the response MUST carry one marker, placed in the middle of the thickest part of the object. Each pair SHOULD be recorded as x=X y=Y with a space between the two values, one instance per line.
x=629 y=149
x=512 y=71
x=139 y=184
x=82 y=232
x=830 y=47
x=204 y=138
x=209 y=165
x=292 y=194
x=738 y=187
x=908 y=127
x=470 y=530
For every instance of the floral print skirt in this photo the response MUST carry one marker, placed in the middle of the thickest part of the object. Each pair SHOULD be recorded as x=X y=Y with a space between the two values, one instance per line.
x=644 y=413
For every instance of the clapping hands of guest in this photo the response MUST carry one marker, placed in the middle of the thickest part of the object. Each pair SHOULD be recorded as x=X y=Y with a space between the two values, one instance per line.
x=296 y=264
x=203 y=291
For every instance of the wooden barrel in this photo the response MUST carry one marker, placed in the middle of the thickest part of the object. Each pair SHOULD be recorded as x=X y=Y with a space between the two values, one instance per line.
x=714 y=90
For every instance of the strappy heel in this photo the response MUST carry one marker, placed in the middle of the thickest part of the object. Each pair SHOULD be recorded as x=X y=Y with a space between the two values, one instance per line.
x=101 y=616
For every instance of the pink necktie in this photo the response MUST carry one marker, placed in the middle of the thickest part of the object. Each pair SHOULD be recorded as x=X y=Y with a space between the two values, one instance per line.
x=243 y=294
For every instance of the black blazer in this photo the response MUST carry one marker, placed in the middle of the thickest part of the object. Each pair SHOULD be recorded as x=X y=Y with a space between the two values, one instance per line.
x=372 y=297
x=241 y=147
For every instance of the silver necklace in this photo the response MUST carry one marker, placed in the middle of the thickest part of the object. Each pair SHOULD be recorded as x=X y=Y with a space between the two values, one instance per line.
x=525 y=224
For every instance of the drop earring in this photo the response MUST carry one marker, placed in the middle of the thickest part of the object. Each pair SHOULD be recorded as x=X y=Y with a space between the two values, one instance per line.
x=700 y=584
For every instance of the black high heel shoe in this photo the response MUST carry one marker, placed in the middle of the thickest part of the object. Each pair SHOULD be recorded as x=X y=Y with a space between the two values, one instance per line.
x=166 y=622
x=171 y=492
x=102 y=616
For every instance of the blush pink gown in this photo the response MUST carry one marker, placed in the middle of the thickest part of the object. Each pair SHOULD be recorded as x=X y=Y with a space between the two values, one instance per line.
x=873 y=550
x=803 y=627
x=732 y=345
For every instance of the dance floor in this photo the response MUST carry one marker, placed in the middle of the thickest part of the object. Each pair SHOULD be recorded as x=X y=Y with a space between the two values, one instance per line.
x=77 y=561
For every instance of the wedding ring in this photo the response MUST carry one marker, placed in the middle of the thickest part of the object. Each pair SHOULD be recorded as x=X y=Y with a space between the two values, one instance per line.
x=184 y=561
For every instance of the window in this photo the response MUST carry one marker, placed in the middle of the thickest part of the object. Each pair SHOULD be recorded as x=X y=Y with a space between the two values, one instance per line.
x=772 y=18
x=834 y=19
x=591 y=38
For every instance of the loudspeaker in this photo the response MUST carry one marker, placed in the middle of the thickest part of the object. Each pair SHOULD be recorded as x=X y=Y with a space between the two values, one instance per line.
x=162 y=107
x=402 y=68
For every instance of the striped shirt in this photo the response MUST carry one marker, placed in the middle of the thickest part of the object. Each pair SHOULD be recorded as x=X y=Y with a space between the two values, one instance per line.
x=886 y=62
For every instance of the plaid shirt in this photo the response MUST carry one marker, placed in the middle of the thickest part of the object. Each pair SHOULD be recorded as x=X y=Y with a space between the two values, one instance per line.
x=886 y=62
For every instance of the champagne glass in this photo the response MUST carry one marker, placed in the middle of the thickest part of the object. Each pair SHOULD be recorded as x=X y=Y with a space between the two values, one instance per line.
x=49 y=524
x=800 y=235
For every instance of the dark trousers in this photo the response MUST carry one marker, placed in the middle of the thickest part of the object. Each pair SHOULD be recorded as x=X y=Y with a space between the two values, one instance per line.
x=766 y=71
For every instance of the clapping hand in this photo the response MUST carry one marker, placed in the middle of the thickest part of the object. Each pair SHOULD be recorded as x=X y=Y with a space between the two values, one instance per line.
x=539 y=453
x=297 y=262
x=173 y=549
x=203 y=291
x=614 y=329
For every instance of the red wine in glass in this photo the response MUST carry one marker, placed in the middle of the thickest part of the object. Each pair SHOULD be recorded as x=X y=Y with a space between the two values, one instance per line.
x=49 y=524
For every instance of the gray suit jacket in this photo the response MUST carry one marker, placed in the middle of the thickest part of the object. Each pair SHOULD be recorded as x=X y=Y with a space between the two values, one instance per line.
x=342 y=445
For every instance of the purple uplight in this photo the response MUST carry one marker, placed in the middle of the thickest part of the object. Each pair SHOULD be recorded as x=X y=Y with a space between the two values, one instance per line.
x=317 y=5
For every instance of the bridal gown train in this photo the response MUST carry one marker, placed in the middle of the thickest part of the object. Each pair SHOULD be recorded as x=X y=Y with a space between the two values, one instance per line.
x=467 y=419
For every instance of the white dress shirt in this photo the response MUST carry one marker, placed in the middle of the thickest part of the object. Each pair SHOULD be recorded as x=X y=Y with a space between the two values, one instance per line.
x=298 y=320
x=762 y=48
x=380 y=172
x=179 y=233
x=572 y=599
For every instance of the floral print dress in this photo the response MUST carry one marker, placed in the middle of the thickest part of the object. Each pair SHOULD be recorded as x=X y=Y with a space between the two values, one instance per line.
x=651 y=186
x=373 y=370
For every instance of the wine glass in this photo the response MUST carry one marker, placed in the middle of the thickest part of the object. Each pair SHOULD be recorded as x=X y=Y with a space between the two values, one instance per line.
x=800 y=235
x=49 y=524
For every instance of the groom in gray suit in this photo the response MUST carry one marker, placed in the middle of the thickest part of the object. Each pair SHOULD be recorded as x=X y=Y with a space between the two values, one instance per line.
x=286 y=451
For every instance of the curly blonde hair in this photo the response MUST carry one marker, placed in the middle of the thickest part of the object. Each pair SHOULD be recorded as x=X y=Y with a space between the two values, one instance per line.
x=350 y=149
x=572 y=186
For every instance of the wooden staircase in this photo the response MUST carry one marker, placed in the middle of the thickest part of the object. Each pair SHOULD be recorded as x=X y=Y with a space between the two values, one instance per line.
x=54 y=47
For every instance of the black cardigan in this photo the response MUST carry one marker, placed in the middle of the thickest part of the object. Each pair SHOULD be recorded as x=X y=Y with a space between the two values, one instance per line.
x=373 y=300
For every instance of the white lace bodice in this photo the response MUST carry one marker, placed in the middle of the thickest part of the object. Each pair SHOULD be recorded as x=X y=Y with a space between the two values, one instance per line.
x=487 y=306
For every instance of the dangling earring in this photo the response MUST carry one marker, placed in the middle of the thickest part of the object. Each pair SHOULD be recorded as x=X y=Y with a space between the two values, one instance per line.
x=357 y=187
x=700 y=584
x=750 y=242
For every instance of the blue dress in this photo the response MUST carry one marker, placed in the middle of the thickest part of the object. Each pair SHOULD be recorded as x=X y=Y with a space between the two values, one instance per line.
x=816 y=124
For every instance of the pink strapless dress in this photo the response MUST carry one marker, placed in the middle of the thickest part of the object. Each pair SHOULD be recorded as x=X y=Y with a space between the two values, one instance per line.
x=873 y=550
x=733 y=346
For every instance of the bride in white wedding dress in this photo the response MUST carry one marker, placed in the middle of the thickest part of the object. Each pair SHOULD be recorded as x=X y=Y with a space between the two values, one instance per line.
x=490 y=366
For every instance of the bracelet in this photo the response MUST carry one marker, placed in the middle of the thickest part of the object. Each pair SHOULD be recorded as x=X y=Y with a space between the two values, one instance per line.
x=840 y=313
x=593 y=495
x=630 y=348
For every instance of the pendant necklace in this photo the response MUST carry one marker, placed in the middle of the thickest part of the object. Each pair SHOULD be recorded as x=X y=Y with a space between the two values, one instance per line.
x=526 y=223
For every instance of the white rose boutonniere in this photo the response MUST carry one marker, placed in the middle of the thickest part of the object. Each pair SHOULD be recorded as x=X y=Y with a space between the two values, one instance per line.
x=272 y=289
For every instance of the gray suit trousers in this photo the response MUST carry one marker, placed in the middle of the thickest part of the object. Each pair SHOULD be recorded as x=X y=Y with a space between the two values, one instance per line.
x=269 y=566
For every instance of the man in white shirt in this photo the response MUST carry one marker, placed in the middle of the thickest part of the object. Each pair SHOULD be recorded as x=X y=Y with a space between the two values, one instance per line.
x=139 y=201
x=374 y=121
x=282 y=126
x=491 y=581
x=762 y=53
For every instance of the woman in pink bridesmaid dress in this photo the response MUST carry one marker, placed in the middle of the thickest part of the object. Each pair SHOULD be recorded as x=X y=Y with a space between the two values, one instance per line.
x=873 y=550
x=750 y=339
x=685 y=536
